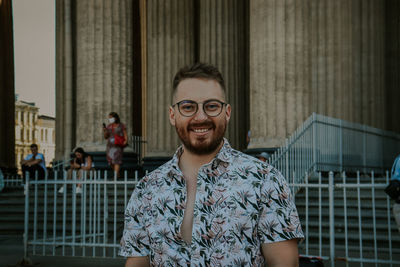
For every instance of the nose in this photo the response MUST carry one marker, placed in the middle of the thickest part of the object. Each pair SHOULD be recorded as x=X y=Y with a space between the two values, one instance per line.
x=200 y=115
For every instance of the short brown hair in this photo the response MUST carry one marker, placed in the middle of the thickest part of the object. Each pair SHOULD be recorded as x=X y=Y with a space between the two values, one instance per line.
x=199 y=70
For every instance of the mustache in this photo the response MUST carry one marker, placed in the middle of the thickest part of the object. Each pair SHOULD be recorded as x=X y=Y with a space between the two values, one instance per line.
x=205 y=124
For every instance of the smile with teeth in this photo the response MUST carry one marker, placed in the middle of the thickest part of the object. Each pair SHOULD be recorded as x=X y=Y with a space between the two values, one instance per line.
x=203 y=130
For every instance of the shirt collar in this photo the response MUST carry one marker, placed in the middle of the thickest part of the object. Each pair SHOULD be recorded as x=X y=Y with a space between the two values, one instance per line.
x=224 y=154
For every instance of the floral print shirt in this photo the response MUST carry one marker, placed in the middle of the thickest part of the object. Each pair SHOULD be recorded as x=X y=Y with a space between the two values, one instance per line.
x=240 y=203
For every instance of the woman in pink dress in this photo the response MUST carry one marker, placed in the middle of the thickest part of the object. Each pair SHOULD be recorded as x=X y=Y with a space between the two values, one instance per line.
x=117 y=139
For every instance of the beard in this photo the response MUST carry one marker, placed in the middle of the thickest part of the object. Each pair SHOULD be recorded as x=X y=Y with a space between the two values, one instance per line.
x=200 y=145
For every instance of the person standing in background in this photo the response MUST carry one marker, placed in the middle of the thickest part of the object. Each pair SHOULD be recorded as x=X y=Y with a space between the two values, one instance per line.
x=117 y=139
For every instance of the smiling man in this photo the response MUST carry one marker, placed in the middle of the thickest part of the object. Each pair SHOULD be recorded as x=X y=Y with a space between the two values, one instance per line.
x=210 y=205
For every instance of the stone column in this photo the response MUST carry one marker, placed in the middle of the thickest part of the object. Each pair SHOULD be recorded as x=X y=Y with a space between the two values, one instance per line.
x=94 y=56
x=103 y=67
x=222 y=42
x=314 y=56
x=360 y=60
x=65 y=122
x=7 y=98
x=275 y=89
x=170 y=46
x=392 y=63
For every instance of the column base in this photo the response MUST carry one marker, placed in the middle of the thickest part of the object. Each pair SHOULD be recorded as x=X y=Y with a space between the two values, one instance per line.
x=265 y=142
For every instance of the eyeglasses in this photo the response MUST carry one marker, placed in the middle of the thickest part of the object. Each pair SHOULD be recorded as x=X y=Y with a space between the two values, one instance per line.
x=211 y=107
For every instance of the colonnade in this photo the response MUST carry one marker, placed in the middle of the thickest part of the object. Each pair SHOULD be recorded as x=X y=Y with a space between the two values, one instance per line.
x=94 y=71
x=282 y=60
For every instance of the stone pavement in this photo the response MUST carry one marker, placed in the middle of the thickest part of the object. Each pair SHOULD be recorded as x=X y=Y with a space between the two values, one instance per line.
x=12 y=252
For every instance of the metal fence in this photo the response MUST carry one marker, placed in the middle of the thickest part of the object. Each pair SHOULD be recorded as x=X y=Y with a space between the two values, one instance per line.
x=346 y=219
x=13 y=181
x=72 y=223
x=138 y=146
x=327 y=144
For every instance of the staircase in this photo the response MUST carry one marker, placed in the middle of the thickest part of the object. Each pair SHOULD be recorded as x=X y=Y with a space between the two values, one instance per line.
x=315 y=225
x=12 y=210
x=318 y=220
x=12 y=206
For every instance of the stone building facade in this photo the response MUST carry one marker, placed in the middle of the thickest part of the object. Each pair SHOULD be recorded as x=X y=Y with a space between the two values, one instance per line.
x=282 y=60
x=26 y=117
x=30 y=127
x=46 y=137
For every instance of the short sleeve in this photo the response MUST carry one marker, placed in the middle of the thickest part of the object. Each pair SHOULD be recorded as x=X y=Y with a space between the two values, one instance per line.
x=135 y=240
x=39 y=156
x=279 y=220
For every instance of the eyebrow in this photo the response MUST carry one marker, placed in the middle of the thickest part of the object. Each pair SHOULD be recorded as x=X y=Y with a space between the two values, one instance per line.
x=211 y=99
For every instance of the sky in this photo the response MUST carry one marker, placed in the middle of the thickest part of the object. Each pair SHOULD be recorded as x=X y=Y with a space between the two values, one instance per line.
x=34 y=53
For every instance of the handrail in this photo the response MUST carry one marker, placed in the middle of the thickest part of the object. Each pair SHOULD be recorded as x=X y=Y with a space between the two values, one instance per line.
x=323 y=143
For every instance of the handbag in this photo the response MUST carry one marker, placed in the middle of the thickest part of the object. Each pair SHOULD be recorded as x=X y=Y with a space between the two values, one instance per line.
x=393 y=189
x=119 y=140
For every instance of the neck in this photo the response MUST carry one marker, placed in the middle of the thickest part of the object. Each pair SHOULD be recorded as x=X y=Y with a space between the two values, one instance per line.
x=196 y=160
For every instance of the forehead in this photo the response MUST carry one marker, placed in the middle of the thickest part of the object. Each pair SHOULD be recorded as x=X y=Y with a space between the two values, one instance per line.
x=198 y=90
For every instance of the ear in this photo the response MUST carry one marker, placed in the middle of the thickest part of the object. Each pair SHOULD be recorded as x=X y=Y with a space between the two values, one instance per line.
x=228 y=110
x=172 y=115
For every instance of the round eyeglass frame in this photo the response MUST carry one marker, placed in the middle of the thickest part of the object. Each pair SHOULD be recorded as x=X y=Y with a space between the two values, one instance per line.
x=197 y=107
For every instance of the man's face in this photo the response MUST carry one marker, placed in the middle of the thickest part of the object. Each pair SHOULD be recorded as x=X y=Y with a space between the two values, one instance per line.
x=200 y=133
x=34 y=150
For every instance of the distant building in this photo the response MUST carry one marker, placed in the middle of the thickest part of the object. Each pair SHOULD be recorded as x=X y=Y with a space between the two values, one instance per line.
x=30 y=127
x=46 y=137
x=26 y=115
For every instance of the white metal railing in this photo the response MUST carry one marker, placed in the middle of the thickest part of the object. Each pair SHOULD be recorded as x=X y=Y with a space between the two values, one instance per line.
x=343 y=218
x=326 y=144
x=347 y=219
x=13 y=181
x=70 y=224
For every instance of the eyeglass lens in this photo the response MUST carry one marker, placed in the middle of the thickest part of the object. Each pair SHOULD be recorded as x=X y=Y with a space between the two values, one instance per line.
x=211 y=107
